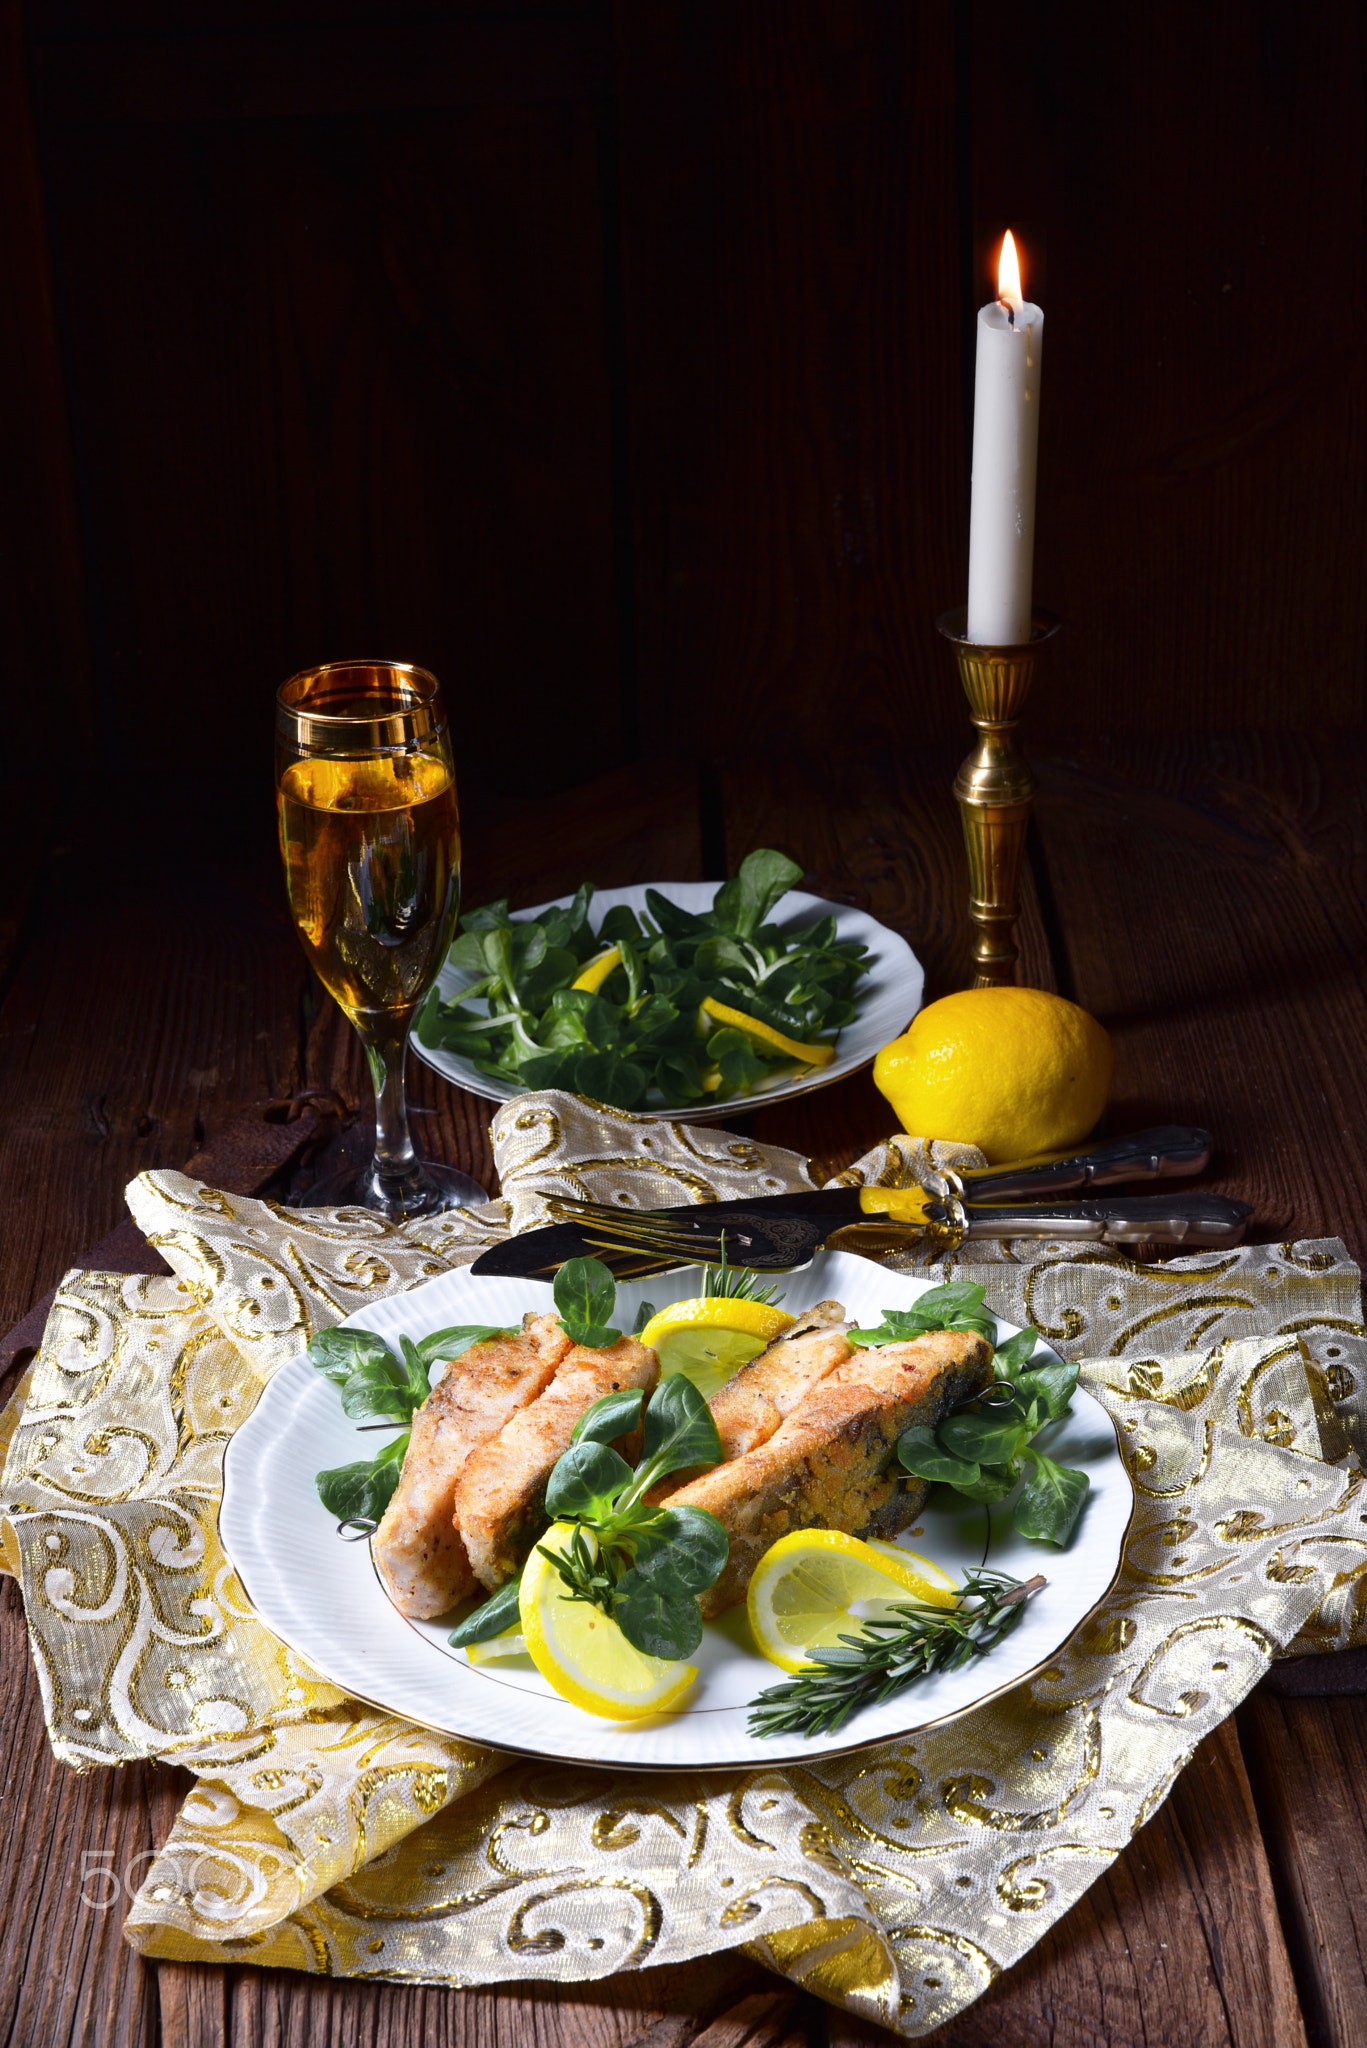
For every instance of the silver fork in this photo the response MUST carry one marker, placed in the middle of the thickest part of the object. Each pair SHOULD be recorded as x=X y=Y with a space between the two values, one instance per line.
x=771 y=1237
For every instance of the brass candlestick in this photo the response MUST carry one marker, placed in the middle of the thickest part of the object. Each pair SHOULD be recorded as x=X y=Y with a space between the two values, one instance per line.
x=995 y=787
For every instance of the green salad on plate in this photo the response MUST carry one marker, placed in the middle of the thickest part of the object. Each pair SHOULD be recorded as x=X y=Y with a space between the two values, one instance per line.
x=669 y=1006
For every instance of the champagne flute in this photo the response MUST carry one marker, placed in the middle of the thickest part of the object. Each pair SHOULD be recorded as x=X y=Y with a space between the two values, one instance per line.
x=370 y=839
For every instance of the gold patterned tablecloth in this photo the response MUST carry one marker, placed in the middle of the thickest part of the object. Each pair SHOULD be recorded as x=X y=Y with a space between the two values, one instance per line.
x=898 y=1881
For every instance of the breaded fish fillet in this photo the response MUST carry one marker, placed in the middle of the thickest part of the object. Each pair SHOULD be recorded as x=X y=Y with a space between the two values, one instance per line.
x=833 y=1464
x=759 y=1398
x=418 y=1551
x=500 y=1502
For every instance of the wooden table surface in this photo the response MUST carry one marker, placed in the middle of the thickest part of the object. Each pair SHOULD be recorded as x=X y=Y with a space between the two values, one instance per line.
x=1204 y=898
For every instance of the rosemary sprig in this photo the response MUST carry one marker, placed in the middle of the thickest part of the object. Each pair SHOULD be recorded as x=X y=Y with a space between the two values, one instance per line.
x=587 y=1576
x=736 y=1283
x=891 y=1652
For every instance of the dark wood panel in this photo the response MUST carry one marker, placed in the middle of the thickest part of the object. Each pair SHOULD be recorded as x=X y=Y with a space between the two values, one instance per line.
x=64 y=20
x=130 y=1031
x=1217 y=925
x=1191 y=181
x=292 y=72
x=343 y=389
x=1309 y=1761
x=46 y=696
x=720 y=2001
x=789 y=234
x=69 y=1977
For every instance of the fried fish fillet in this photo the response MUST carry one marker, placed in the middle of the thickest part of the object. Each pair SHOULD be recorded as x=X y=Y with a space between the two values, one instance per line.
x=832 y=1464
x=758 y=1399
x=500 y=1501
x=418 y=1550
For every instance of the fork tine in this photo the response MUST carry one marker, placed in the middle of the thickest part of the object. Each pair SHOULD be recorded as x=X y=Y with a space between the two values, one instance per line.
x=645 y=1234
x=655 y=1242
x=575 y=1211
x=622 y=1263
x=639 y=1222
x=671 y=1254
x=624 y=1267
x=669 y=1240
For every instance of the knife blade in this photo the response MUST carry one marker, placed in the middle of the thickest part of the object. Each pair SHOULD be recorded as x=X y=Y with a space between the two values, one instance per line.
x=692 y=1231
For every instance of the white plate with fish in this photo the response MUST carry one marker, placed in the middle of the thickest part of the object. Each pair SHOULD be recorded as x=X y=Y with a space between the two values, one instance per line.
x=887 y=997
x=321 y=1593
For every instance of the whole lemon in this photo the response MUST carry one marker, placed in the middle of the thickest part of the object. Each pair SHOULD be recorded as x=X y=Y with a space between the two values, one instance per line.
x=1012 y=1070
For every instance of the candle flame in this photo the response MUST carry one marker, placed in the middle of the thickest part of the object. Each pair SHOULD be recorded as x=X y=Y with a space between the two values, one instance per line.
x=1009 y=276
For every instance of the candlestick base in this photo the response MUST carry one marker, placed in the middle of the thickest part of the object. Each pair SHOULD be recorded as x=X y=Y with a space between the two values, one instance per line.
x=994 y=787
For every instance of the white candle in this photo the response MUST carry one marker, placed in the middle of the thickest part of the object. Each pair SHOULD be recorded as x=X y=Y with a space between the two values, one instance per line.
x=1001 y=528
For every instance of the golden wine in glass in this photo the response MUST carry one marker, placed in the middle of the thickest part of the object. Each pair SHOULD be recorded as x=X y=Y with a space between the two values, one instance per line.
x=370 y=839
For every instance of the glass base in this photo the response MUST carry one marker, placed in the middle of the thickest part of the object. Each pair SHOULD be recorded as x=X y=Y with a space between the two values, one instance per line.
x=424 y=1190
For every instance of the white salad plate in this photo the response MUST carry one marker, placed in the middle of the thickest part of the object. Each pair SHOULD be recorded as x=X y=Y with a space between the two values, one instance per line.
x=320 y=1593
x=888 y=995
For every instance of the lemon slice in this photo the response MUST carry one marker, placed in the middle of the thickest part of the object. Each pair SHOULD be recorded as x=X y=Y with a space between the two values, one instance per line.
x=718 y=1312
x=764 y=1034
x=512 y=1643
x=819 y=1584
x=920 y=1568
x=709 y=1358
x=596 y=973
x=584 y=1655
x=712 y=1336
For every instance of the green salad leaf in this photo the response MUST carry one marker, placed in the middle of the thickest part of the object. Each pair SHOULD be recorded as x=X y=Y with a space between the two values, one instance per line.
x=361 y=1492
x=374 y=1383
x=1051 y=1499
x=585 y=1296
x=610 y=1416
x=493 y=1617
x=956 y=1307
x=642 y=1035
x=643 y=1566
x=585 y=1483
x=984 y=1450
x=680 y=1430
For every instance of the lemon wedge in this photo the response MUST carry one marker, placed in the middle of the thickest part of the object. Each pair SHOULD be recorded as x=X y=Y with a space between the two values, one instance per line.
x=920 y=1568
x=512 y=1643
x=818 y=1584
x=711 y=1337
x=763 y=1034
x=584 y=1655
x=596 y=973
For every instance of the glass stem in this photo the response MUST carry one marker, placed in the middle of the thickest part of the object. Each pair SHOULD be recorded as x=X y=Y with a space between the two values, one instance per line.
x=395 y=1159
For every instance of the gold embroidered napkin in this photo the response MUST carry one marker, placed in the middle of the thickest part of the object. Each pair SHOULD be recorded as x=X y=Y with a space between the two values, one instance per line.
x=327 y=1836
